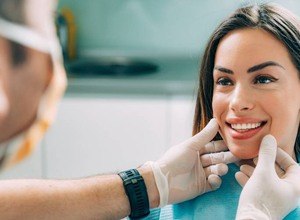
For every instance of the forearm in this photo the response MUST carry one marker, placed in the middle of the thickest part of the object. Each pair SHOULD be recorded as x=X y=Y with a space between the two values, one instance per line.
x=91 y=198
x=101 y=197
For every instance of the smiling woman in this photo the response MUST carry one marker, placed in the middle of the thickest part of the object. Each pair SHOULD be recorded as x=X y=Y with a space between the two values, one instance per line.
x=250 y=80
x=257 y=97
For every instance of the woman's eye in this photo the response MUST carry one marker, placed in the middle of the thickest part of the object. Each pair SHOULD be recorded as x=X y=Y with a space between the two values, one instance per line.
x=224 y=82
x=264 y=80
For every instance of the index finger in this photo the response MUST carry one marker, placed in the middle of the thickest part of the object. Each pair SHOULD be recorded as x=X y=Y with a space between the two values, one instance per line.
x=284 y=160
x=215 y=158
x=215 y=146
x=205 y=135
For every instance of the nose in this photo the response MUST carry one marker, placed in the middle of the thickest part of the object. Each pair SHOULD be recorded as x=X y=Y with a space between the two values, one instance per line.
x=241 y=99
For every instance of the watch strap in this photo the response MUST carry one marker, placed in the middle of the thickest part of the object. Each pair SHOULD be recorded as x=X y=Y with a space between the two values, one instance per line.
x=136 y=192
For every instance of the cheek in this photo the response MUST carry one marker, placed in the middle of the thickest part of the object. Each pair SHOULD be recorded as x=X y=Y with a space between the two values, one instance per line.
x=284 y=122
x=216 y=105
x=219 y=106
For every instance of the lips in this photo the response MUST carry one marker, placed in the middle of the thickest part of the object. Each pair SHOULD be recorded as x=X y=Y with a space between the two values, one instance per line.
x=244 y=128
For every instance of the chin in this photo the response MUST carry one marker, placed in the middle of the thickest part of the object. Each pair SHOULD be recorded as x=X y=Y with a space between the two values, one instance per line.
x=243 y=152
x=243 y=149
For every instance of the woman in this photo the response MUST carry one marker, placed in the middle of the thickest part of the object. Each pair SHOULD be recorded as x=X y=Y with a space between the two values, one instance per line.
x=243 y=80
x=250 y=82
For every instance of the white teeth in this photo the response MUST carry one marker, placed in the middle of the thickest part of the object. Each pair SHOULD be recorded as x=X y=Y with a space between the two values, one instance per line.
x=245 y=126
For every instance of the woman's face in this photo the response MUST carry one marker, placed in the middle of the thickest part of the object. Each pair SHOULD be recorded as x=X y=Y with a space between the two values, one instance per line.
x=256 y=92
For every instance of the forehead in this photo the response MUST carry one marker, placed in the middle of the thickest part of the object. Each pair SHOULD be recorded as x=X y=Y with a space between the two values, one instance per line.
x=250 y=46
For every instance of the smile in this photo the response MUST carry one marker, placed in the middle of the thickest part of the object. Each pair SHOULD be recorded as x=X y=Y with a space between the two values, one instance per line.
x=244 y=130
x=245 y=127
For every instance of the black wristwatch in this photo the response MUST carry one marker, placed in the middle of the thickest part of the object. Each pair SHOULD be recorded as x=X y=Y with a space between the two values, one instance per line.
x=136 y=192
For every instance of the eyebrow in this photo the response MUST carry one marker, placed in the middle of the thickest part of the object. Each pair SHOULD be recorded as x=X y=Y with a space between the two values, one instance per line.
x=251 y=69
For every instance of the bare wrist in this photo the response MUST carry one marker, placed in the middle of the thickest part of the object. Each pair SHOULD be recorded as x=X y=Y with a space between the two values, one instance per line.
x=153 y=195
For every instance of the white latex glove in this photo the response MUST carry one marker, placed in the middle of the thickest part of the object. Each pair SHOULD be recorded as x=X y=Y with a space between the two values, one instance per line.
x=192 y=167
x=266 y=195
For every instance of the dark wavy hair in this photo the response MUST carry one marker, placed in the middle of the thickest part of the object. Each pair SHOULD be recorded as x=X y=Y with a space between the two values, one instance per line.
x=273 y=18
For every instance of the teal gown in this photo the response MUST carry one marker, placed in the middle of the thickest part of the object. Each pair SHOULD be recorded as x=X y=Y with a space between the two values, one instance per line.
x=219 y=204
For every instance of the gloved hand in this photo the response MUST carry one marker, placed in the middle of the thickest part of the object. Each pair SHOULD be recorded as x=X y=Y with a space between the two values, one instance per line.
x=192 y=167
x=266 y=195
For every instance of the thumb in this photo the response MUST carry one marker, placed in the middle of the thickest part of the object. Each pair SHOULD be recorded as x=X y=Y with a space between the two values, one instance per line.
x=206 y=134
x=267 y=153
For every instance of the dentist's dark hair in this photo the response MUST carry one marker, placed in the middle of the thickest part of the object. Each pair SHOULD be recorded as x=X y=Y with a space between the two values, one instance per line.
x=275 y=19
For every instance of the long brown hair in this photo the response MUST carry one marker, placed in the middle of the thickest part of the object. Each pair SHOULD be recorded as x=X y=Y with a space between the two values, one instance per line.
x=278 y=21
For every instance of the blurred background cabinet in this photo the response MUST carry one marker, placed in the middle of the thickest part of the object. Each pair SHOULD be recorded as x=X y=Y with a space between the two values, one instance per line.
x=109 y=134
